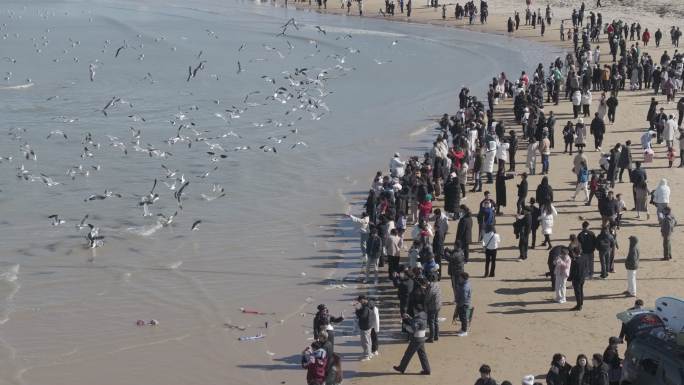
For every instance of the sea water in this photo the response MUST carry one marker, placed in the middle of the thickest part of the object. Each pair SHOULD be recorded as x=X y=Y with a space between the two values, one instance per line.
x=276 y=243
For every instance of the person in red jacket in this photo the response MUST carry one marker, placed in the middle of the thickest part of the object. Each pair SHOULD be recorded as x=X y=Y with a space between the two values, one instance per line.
x=646 y=37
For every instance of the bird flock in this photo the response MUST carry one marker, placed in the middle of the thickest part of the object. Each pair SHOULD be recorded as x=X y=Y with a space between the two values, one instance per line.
x=281 y=102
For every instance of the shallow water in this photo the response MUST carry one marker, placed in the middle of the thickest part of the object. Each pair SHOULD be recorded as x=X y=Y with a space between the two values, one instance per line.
x=68 y=312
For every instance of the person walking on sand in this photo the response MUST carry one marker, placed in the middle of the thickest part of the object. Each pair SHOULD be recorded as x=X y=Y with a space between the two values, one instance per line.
x=598 y=129
x=433 y=304
x=490 y=243
x=522 y=228
x=667 y=225
x=546 y=219
x=568 y=137
x=561 y=272
x=625 y=159
x=604 y=244
x=545 y=151
x=632 y=265
x=416 y=329
x=582 y=182
x=661 y=198
x=463 y=297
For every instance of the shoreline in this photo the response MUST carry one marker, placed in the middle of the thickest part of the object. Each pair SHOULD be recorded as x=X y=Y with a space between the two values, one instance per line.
x=382 y=366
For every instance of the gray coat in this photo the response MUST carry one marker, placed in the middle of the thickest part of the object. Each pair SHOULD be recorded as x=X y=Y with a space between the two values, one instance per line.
x=632 y=260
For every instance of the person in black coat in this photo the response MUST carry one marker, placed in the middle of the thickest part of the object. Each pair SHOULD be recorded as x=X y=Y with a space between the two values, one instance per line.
x=652 y=109
x=522 y=193
x=625 y=160
x=578 y=274
x=512 y=149
x=598 y=129
x=604 y=244
x=579 y=374
x=544 y=193
x=554 y=252
x=501 y=178
x=599 y=372
x=322 y=320
x=612 y=104
x=559 y=373
x=403 y=281
x=535 y=213
x=522 y=228
x=464 y=232
x=452 y=194
x=613 y=160
x=587 y=241
x=611 y=357
x=438 y=249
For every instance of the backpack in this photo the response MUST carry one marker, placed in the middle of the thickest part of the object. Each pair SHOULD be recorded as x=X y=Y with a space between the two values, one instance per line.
x=316 y=371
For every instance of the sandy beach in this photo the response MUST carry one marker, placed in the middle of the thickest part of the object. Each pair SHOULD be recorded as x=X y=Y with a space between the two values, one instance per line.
x=517 y=327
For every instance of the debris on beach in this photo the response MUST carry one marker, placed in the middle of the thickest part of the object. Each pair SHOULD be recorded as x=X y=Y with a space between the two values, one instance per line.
x=252 y=338
x=255 y=312
x=152 y=322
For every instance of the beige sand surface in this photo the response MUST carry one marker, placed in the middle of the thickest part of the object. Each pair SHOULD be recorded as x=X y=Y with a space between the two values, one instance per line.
x=517 y=327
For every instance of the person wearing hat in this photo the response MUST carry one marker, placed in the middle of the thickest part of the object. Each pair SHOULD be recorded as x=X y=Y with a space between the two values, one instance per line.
x=323 y=322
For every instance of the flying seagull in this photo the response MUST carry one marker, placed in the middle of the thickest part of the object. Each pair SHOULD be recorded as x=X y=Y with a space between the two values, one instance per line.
x=56 y=220
x=195 y=225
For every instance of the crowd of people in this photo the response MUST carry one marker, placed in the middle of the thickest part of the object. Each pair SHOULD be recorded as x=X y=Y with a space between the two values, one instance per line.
x=474 y=149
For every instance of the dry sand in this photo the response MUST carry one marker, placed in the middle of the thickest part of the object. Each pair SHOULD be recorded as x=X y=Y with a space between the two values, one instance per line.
x=517 y=327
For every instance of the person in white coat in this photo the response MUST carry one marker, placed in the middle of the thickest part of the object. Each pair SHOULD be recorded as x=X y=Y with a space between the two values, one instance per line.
x=661 y=198
x=586 y=103
x=502 y=154
x=532 y=148
x=546 y=220
x=562 y=272
x=490 y=157
x=397 y=166
x=375 y=329
x=576 y=103
x=669 y=131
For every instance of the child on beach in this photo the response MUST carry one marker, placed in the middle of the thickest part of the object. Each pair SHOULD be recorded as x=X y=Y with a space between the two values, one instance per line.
x=670 y=156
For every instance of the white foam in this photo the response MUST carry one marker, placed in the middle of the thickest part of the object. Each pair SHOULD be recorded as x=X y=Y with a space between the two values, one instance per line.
x=17 y=87
x=145 y=231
